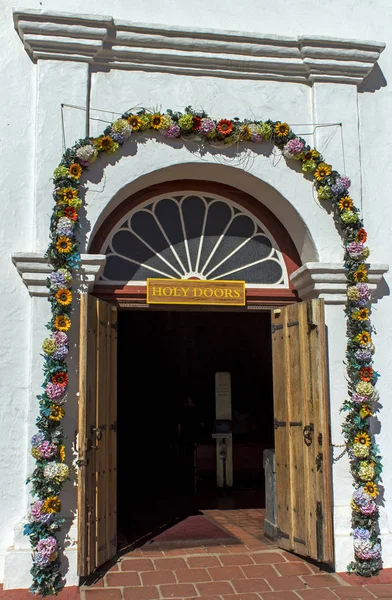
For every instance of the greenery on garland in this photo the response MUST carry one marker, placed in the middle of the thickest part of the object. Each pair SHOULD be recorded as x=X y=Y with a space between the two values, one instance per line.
x=48 y=443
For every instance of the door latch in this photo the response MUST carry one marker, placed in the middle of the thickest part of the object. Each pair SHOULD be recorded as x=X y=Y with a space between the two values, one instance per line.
x=307 y=433
x=98 y=431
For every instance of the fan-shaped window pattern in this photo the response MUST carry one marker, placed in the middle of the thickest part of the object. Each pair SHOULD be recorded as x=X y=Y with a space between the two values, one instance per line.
x=193 y=236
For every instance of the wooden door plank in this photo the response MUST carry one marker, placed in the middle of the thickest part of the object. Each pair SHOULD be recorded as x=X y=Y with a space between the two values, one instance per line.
x=101 y=434
x=322 y=532
x=111 y=517
x=280 y=384
x=86 y=419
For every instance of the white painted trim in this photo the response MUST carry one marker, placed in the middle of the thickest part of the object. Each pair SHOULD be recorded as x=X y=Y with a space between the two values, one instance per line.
x=328 y=281
x=34 y=270
x=131 y=46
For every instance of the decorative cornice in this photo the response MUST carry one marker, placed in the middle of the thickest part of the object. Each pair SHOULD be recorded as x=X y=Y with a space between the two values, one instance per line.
x=328 y=281
x=102 y=40
x=34 y=270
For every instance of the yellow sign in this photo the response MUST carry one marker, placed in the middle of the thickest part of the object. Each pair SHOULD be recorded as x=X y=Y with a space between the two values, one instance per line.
x=194 y=291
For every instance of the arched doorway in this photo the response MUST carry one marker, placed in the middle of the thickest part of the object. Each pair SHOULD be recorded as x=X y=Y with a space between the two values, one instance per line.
x=197 y=413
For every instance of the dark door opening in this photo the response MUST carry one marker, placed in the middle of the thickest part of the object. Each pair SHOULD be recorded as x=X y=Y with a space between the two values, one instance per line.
x=167 y=362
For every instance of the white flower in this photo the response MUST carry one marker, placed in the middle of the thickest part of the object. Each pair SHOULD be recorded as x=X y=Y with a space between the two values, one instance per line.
x=87 y=153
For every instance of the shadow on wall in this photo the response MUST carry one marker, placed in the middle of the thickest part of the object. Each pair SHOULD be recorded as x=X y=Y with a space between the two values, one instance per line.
x=374 y=81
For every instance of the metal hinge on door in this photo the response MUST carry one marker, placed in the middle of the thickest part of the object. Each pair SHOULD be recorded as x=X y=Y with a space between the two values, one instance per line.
x=275 y=327
x=283 y=534
x=278 y=424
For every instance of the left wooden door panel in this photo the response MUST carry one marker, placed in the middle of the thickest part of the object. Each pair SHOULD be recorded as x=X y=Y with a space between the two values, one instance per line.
x=97 y=494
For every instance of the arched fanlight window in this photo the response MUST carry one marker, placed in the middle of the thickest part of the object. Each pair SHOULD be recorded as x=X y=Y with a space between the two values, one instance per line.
x=192 y=235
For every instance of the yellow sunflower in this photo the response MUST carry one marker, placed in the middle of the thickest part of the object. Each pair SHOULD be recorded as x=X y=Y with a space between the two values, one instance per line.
x=64 y=297
x=371 y=489
x=62 y=453
x=363 y=314
x=323 y=170
x=75 y=171
x=362 y=438
x=309 y=155
x=282 y=129
x=360 y=274
x=57 y=413
x=105 y=143
x=62 y=323
x=52 y=504
x=157 y=121
x=363 y=338
x=365 y=411
x=245 y=133
x=135 y=122
x=345 y=203
x=63 y=244
x=67 y=194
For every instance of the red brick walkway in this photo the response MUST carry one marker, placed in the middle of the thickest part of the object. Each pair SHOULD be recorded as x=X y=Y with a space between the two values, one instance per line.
x=252 y=569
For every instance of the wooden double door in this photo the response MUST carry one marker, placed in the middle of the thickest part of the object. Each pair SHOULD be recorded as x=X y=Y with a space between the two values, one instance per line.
x=302 y=449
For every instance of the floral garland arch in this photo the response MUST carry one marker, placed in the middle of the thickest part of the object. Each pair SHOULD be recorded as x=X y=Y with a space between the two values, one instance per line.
x=51 y=472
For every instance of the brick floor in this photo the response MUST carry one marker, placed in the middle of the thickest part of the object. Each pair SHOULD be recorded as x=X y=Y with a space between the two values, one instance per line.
x=251 y=568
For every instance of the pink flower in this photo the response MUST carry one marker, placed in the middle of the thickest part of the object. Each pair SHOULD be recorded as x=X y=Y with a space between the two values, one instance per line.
x=47 y=546
x=173 y=131
x=363 y=290
x=55 y=391
x=293 y=148
x=206 y=126
x=47 y=450
x=60 y=338
x=358 y=398
x=35 y=510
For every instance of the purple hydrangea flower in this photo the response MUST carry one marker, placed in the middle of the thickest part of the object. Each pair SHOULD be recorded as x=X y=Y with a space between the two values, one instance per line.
x=46 y=546
x=173 y=131
x=294 y=147
x=206 y=126
x=55 y=391
x=338 y=188
x=47 y=450
x=37 y=439
x=118 y=137
x=57 y=280
x=41 y=560
x=60 y=337
x=61 y=353
x=363 y=534
x=363 y=355
x=360 y=497
x=360 y=303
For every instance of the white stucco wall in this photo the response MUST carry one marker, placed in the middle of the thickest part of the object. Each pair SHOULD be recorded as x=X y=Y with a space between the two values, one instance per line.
x=31 y=147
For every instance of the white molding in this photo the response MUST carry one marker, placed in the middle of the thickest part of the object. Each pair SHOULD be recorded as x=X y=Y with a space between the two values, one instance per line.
x=328 y=281
x=34 y=270
x=102 y=40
